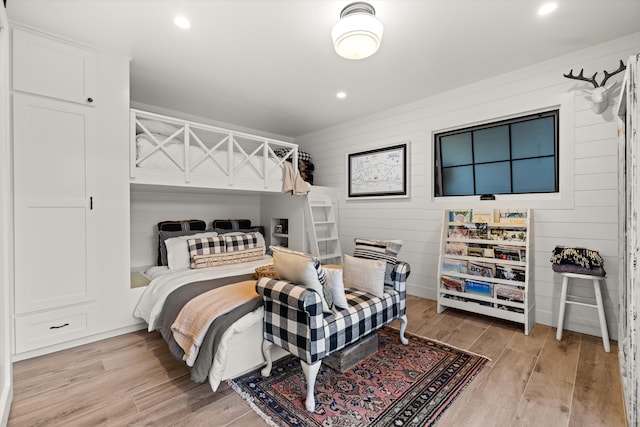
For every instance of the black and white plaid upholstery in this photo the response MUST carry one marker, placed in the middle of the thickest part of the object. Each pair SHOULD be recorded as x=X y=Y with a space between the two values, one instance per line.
x=294 y=320
x=241 y=242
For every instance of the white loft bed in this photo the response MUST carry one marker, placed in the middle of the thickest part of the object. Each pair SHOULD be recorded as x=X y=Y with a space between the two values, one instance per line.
x=174 y=152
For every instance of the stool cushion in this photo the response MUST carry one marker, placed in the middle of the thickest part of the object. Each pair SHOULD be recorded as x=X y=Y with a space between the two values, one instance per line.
x=573 y=268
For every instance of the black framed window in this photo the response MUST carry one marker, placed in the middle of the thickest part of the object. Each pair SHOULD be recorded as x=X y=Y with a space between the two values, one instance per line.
x=515 y=156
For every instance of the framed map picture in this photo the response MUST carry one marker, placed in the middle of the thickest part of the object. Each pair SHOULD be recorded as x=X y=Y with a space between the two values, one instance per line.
x=378 y=173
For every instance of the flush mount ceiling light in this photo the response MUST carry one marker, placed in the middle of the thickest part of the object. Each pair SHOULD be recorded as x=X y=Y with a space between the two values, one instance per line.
x=358 y=33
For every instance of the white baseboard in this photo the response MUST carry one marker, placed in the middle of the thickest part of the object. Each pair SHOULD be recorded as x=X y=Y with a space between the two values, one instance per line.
x=5 y=402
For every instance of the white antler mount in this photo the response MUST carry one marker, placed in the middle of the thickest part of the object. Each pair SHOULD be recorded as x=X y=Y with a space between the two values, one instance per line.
x=598 y=95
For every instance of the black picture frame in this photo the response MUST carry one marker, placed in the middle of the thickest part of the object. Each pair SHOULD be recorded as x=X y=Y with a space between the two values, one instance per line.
x=379 y=173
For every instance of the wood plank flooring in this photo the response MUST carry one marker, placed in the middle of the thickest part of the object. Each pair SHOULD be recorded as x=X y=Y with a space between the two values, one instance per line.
x=132 y=380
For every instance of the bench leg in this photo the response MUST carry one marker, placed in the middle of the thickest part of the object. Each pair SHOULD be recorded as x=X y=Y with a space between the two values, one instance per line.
x=266 y=352
x=310 y=374
x=403 y=327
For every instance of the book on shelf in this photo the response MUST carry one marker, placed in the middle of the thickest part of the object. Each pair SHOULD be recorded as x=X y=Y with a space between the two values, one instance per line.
x=477 y=287
x=514 y=216
x=509 y=308
x=507 y=253
x=514 y=235
x=508 y=292
x=459 y=249
x=481 y=269
x=452 y=283
x=475 y=251
x=460 y=216
x=482 y=215
x=510 y=272
x=454 y=266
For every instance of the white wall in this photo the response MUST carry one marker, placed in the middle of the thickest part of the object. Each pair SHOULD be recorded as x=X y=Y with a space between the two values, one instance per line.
x=6 y=229
x=584 y=215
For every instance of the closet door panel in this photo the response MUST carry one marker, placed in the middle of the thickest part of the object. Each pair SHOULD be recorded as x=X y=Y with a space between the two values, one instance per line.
x=53 y=164
x=70 y=71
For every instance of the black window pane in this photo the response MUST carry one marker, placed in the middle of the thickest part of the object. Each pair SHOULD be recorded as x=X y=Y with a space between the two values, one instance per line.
x=493 y=178
x=491 y=144
x=458 y=181
x=533 y=138
x=456 y=149
x=534 y=175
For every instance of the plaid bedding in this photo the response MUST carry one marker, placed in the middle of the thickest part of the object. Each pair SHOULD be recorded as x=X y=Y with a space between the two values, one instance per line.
x=295 y=322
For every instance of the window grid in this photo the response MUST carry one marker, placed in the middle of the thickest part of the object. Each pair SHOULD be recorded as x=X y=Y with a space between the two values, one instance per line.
x=439 y=181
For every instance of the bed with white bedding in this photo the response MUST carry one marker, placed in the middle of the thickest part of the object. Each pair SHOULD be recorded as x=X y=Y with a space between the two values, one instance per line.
x=236 y=347
x=169 y=151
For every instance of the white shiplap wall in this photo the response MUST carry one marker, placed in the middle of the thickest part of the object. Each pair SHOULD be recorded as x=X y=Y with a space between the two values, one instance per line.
x=585 y=214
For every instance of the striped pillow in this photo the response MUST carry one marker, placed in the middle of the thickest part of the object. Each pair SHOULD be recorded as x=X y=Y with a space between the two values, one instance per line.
x=241 y=242
x=386 y=250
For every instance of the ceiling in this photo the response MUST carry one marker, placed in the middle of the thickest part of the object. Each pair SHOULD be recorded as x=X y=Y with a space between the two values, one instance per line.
x=270 y=65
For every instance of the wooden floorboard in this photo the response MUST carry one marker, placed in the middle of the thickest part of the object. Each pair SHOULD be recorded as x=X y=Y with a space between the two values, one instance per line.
x=132 y=380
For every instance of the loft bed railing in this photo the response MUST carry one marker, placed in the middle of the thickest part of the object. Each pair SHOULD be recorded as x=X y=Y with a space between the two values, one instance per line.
x=170 y=151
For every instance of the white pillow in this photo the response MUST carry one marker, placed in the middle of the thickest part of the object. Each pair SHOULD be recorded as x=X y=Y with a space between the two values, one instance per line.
x=336 y=287
x=299 y=268
x=178 y=256
x=364 y=274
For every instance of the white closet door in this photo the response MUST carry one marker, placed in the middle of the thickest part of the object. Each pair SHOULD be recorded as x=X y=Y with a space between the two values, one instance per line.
x=54 y=144
x=70 y=71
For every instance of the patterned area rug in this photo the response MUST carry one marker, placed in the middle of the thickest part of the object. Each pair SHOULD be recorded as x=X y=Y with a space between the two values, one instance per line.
x=398 y=386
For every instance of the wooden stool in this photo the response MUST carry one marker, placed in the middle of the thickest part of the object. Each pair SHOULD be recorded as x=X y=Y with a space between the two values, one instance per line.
x=563 y=301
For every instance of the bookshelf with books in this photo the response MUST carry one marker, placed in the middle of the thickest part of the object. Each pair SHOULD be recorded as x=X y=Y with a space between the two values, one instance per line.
x=484 y=263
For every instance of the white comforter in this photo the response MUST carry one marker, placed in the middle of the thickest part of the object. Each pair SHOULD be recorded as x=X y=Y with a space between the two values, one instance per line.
x=154 y=296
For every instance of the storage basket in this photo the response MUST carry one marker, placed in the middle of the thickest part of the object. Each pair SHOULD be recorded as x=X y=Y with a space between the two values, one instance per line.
x=266 y=271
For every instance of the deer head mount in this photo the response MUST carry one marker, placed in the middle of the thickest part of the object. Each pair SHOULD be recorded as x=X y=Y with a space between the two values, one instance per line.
x=597 y=95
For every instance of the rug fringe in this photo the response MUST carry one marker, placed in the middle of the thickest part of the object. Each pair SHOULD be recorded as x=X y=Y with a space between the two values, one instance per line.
x=249 y=399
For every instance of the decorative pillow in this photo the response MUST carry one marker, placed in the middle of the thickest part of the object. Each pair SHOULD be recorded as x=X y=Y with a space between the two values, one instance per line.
x=261 y=241
x=205 y=246
x=154 y=126
x=336 y=287
x=301 y=268
x=164 y=235
x=190 y=226
x=240 y=242
x=225 y=258
x=386 y=250
x=178 y=257
x=366 y=275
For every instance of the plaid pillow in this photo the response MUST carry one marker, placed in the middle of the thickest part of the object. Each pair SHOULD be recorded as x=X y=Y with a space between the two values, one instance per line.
x=241 y=242
x=205 y=246
x=386 y=250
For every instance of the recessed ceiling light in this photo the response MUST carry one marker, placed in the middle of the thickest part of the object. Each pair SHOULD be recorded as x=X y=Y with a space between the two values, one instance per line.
x=182 y=22
x=547 y=8
x=341 y=95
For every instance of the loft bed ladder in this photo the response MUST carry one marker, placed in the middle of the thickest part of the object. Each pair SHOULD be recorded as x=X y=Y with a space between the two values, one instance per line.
x=322 y=228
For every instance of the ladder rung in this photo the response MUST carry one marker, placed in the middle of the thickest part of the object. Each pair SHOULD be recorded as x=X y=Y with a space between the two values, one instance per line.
x=327 y=239
x=324 y=222
x=320 y=204
x=329 y=256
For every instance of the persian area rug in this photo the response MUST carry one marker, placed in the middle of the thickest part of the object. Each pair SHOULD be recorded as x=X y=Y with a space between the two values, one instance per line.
x=398 y=386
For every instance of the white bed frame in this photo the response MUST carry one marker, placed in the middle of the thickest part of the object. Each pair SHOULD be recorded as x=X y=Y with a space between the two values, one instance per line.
x=236 y=160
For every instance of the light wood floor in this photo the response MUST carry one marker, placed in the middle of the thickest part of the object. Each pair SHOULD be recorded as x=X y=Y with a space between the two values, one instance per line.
x=133 y=380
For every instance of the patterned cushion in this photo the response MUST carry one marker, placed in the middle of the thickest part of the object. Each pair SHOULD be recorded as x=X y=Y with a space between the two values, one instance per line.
x=240 y=242
x=294 y=319
x=225 y=258
x=205 y=246
x=386 y=250
x=179 y=228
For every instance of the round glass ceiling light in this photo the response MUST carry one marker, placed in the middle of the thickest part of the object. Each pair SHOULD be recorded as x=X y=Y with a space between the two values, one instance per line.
x=358 y=33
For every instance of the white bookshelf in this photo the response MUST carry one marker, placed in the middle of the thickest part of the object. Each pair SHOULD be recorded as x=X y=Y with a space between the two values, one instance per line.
x=484 y=264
